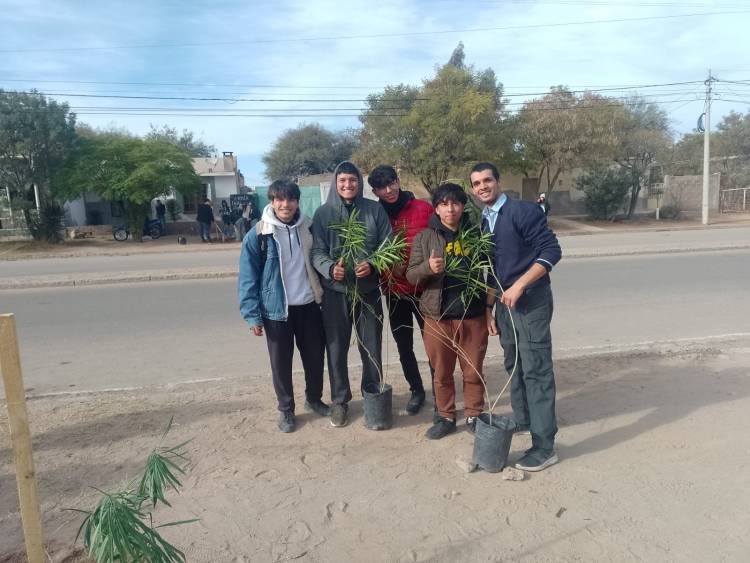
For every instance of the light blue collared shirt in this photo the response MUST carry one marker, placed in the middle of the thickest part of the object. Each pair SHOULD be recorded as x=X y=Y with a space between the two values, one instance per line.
x=490 y=213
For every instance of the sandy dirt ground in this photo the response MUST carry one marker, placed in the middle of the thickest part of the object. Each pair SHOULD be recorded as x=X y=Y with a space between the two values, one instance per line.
x=655 y=466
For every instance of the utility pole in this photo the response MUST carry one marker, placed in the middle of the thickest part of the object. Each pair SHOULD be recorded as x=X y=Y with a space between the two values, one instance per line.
x=706 y=148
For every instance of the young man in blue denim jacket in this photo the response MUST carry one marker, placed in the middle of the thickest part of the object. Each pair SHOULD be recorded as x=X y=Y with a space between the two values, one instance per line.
x=280 y=294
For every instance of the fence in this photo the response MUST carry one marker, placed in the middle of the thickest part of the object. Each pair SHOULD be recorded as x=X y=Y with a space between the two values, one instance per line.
x=735 y=200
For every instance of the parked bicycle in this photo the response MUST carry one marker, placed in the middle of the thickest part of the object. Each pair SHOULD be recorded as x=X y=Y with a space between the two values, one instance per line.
x=151 y=228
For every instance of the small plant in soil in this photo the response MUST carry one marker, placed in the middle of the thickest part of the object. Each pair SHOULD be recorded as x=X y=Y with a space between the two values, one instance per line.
x=120 y=528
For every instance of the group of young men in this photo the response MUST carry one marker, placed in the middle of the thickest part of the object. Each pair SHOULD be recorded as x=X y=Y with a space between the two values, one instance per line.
x=294 y=287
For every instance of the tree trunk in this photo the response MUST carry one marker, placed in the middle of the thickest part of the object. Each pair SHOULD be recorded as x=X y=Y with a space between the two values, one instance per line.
x=635 y=189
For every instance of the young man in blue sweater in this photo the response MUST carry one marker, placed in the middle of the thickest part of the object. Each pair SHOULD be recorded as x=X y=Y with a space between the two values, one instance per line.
x=525 y=252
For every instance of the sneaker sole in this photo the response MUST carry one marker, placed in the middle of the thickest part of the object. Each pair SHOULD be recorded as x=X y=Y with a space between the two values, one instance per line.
x=550 y=461
x=339 y=425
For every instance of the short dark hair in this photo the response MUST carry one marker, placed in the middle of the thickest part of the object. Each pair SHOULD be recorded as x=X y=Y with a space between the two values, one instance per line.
x=482 y=166
x=283 y=189
x=449 y=192
x=382 y=176
x=347 y=168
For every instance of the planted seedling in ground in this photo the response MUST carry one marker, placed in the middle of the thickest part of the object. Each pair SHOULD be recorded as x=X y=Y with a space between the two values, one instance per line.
x=120 y=528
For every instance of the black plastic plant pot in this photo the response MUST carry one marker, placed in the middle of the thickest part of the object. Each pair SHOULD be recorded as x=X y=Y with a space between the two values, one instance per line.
x=492 y=442
x=379 y=408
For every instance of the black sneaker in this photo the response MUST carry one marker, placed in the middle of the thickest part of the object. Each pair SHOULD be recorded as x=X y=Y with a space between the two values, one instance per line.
x=318 y=407
x=415 y=402
x=339 y=415
x=471 y=423
x=441 y=429
x=535 y=460
x=286 y=421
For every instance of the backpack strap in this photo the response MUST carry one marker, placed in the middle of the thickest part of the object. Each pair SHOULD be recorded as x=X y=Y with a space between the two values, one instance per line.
x=263 y=241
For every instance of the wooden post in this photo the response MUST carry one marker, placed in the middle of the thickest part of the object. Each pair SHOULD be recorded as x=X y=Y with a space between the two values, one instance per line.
x=15 y=398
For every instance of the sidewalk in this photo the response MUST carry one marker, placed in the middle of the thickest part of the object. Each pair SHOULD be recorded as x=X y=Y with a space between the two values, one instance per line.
x=642 y=461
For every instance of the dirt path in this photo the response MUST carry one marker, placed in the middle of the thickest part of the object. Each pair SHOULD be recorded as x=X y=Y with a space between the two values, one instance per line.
x=654 y=466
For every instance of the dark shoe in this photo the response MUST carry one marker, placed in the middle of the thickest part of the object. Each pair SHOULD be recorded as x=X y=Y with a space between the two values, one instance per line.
x=415 y=402
x=441 y=429
x=535 y=460
x=286 y=421
x=471 y=423
x=339 y=415
x=318 y=407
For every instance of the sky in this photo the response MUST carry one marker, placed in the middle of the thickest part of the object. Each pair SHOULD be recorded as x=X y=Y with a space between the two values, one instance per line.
x=277 y=64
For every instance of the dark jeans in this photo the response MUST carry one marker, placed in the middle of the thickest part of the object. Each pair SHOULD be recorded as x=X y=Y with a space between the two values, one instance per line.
x=205 y=230
x=305 y=325
x=401 y=310
x=532 y=391
x=367 y=319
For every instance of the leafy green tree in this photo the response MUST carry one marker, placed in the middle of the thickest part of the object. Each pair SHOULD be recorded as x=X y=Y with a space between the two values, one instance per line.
x=36 y=134
x=186 y=140
x=307 y=149
x=605 y=190
x=438 y=129
x=129 y=170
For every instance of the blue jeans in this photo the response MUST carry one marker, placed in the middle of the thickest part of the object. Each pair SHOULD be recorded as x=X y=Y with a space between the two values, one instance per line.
x=205 y=231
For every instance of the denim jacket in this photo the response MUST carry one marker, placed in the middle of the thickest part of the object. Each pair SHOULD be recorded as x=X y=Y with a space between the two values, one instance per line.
x=261 y=285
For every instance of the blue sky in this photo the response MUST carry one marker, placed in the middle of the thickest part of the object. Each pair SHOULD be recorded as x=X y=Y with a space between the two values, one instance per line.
x=302 y=55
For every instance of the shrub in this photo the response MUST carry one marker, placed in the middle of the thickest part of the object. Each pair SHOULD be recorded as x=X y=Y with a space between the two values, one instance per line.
x=49 y=223
x=604 y=191
x=672 y=211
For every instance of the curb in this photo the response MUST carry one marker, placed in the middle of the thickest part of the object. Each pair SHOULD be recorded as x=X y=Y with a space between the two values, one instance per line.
x=82 y=280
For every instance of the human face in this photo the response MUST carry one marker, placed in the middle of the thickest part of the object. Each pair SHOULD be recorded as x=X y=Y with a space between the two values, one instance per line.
x=347 y=185
x=284 y=209
x=485 y=187
x=389 y=193
x=450 y=213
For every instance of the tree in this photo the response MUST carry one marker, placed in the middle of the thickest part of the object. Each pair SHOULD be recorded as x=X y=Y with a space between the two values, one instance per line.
x=36 y=134
x=644 y=137
x=186 y=140
x=307 y=149
x=561 y=131
x=128 y=170
x=439 y=129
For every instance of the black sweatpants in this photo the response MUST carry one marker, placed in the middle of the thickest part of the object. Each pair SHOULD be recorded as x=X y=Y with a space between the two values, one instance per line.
x=401 y=311
x=305 y=325
x=367 y=319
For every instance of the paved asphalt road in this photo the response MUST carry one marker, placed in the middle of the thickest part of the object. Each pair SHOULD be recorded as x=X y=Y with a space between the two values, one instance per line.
x=599 y=243
x=150 y=333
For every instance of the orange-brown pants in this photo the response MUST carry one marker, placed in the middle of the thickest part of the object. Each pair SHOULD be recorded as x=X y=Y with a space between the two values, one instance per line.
x=446 y=341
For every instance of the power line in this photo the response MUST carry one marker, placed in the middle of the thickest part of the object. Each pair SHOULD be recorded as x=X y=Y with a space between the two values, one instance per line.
x=235 y=100
x=374 y=36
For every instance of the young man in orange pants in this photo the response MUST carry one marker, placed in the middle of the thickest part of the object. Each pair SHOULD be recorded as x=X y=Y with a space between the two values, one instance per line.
x=453 y=330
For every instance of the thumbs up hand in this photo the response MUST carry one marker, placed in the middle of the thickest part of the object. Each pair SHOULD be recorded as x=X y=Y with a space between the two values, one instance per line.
x=339 y=273
x=437 y=264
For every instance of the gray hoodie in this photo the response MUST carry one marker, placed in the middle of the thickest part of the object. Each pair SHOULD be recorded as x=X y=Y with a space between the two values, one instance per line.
x=326 y=241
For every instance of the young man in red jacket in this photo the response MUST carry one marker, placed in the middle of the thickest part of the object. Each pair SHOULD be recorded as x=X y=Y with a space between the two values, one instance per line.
x=410 y=216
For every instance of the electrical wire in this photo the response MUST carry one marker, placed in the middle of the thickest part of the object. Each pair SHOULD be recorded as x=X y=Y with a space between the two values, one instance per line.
x=372 y=36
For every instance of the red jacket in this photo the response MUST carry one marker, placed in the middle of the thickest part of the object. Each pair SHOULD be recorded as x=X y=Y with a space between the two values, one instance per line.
x=412 y=219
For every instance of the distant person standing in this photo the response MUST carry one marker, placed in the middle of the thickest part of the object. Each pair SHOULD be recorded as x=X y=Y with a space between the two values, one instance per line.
x=161 y=213
x=205 y=217
x=543 y=204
